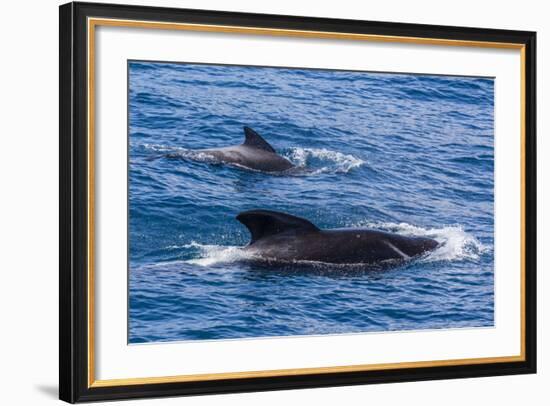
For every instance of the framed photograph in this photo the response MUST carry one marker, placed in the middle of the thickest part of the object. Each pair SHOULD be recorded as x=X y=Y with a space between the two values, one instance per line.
x=255 y=202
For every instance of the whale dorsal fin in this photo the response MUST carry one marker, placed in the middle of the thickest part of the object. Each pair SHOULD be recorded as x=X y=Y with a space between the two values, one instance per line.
x=264 y=223
x=254 y=140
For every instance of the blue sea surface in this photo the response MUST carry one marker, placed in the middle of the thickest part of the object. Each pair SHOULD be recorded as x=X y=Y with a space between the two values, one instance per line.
x=407 y=153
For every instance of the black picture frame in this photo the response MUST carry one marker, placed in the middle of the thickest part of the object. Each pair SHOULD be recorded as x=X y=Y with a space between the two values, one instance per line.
x=74 y=385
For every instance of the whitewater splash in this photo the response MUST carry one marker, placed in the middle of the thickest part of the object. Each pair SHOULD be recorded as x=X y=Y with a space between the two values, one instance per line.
x=455 y=245
x=214 y=254
x=321 y=160
x=308 y=161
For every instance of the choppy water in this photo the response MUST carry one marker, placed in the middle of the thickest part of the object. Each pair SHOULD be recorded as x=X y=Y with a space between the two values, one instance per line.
x=412 y=154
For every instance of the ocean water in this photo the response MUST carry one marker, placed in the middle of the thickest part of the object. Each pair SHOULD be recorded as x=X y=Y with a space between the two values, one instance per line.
x=411 y=154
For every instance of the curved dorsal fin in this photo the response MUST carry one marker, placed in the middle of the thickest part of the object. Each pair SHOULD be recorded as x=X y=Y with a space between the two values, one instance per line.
x=263 y=223
x=254 y=140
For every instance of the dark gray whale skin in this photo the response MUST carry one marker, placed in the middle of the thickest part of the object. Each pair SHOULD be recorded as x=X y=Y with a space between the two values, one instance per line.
x=280 y=237
x=255 y=153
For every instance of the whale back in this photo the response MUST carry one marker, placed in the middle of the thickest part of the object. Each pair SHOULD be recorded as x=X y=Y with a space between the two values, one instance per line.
x=265 y=223
x=254 y=140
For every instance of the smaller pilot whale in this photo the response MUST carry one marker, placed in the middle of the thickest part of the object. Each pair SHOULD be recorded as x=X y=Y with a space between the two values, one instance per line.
x=253 y=153
x=281 y=237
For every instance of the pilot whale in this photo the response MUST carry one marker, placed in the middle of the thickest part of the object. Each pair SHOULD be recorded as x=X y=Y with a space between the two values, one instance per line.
x=281 y=237
x=253 y=153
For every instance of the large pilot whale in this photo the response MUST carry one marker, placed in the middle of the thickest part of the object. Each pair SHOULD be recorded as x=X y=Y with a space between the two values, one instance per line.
x=281 y=237
x=253 y=153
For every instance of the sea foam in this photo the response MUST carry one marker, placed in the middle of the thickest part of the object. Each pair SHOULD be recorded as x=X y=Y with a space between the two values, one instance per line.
x=321 y=160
